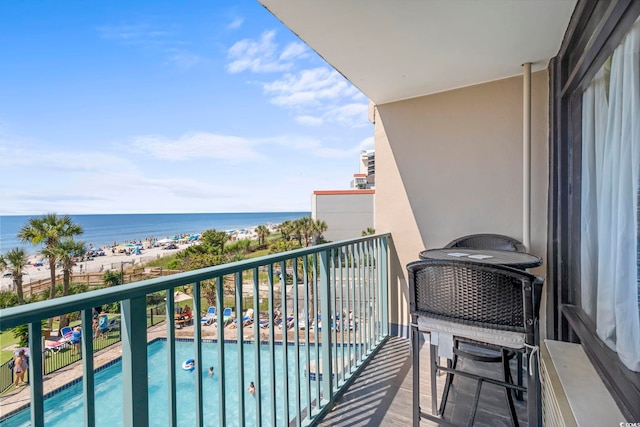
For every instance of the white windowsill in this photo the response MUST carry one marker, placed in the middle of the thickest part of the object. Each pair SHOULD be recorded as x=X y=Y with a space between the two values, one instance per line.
x=589 y=400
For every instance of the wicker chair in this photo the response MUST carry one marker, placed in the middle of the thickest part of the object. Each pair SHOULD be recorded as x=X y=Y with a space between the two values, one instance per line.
x=493 y=307
x=488 y=241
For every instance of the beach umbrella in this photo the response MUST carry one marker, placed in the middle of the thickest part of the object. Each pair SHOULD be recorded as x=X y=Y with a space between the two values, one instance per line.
x=162 y=241
x=17 y=350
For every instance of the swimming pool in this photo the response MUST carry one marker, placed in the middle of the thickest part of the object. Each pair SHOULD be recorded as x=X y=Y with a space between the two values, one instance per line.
x=65 y=408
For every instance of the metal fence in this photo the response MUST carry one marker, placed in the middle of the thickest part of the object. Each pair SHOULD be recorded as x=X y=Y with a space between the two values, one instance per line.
x=57 y=359
x=334 y=303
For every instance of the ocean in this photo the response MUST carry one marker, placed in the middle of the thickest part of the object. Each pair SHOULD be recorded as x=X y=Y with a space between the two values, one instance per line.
x=102 y=230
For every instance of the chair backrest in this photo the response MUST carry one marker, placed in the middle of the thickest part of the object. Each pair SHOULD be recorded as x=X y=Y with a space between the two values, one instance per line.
x=211 y=311
x=488 y=241
x=227 y=311
x=489 y=296
x=66 y=331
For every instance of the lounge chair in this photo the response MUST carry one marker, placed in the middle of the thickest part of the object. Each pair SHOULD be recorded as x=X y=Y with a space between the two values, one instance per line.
x=56 y=345
x=66 y=333
x=226 y=315
x=210 y=317
x=247 y=319
x=289 y=323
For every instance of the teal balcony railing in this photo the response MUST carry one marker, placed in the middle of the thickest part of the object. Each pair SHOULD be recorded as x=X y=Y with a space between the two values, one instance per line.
x=334 y=303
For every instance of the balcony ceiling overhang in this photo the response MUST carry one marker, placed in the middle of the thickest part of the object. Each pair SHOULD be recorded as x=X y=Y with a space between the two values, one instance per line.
x=395 y=50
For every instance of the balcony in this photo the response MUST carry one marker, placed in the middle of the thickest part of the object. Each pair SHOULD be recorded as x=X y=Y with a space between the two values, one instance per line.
x=343 y=286
x=344 y=283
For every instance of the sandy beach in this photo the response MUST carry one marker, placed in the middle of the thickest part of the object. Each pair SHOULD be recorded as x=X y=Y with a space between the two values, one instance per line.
x=110 y=261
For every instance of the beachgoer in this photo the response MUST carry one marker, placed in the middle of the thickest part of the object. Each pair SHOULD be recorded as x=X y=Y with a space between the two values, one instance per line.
x=210 y=371
x=96 y=331
x=20 y=366
x=76 y=338
x=186 y=312
x=190 y=364
x=252 y=388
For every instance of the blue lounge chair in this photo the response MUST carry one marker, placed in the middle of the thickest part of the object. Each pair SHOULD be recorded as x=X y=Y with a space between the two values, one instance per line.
x=226 y=315
x=248 y=318
x=66 y=333
x=210 y=317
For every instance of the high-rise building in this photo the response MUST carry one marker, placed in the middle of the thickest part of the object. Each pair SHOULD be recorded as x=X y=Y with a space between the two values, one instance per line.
x=366 y=178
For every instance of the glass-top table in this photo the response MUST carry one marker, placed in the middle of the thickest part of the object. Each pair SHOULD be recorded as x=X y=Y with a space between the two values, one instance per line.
x=485 y=256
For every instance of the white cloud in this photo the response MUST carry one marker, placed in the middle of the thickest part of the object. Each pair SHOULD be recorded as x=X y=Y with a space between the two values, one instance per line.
x=351 y=115
x=29 y=157
x=256 y=56
x=309 y=120
x=309 y=87
x=136 y=34
x=293 y=51
x=320 y=95
x=338 y=153
x=196 y=145
x=235 y=24
x=185 y=60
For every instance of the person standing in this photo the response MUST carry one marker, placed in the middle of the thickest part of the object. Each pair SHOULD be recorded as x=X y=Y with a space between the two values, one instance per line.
x=20 y=366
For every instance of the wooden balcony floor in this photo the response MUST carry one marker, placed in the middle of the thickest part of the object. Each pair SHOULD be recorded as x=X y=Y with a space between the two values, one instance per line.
x=382 y=394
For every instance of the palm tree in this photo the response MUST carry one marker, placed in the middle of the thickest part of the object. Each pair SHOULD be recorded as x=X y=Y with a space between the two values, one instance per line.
x=16 y=260
x=286 y=229
x=303 y=229
x=262 y=232
x=66 y=251
x=318 y=227
x=369 y=231
x=49 y=230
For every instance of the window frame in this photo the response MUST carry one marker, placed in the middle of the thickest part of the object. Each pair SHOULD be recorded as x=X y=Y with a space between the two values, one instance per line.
x=595 y=30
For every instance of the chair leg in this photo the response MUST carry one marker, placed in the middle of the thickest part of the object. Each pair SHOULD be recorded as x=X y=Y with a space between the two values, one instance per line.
x=519 y=394
x=449 y=380
x=506 y=370
x=415 y=354
x=476 y=399
x=533 y=394
x=433 y=356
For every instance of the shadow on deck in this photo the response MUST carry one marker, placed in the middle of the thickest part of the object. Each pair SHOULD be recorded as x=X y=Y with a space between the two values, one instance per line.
x=382 y=394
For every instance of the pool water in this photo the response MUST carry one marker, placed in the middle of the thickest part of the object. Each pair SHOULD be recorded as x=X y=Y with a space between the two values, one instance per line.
x=66 y=407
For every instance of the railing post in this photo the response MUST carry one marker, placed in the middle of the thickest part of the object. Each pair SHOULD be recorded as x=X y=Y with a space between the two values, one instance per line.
x=197 y=341
x=171 y=357
x=134 y=362
x=87 y=369
x=325 y=303
x=35 y=375
x=384 y=285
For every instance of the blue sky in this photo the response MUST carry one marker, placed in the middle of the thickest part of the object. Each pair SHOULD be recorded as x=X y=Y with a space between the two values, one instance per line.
x=168 y=106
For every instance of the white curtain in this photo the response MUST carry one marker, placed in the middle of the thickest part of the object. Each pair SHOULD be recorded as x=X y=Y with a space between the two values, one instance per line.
x=610 y=176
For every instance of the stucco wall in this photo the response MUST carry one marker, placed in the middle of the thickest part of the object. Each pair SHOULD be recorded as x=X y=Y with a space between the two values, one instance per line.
x=346 y=215
x=450 y=164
